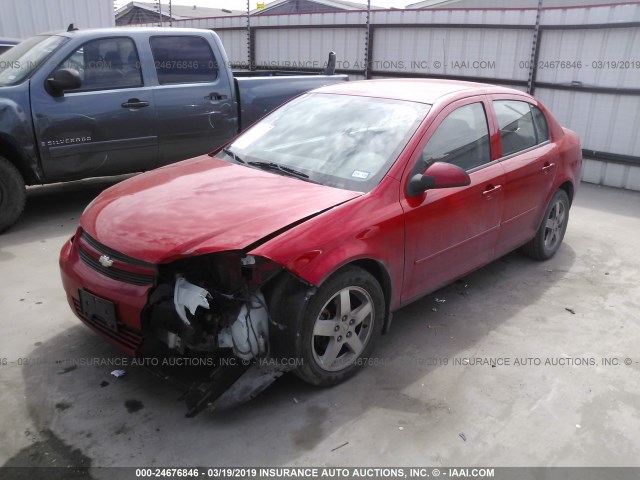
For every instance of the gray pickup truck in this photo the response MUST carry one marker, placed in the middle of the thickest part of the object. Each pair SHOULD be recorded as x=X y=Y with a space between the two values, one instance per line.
x=92 y=103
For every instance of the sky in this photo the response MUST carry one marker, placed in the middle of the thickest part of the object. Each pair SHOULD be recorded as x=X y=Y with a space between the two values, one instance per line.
x=242 y=4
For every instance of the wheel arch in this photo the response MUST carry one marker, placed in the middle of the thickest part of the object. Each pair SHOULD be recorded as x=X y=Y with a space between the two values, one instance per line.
x=568 y=187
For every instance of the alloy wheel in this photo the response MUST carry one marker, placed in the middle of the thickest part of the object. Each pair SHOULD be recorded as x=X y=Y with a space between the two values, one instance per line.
x=343 y=328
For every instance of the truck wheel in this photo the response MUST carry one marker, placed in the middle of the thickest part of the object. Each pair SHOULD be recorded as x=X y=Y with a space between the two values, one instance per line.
x=551 y=232
x=339 y=327
x=12 y=194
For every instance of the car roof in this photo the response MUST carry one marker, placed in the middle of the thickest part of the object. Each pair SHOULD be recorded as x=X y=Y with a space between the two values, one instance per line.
x=128 y=31
x=427 y=90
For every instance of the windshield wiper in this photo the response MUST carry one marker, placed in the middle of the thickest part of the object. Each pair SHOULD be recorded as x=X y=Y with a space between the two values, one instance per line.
x=233 y=155
x=277 y=166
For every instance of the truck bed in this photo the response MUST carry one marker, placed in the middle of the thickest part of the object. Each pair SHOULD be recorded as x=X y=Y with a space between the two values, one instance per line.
x=260 y=92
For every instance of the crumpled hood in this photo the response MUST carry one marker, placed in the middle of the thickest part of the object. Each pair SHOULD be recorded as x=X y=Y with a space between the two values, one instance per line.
x=199 y=206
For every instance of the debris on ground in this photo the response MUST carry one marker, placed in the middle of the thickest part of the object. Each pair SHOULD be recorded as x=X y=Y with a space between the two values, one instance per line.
x=434 y=309
x=68 y=369
x=440 y=300
x=295 y=400
x=570 y=310
x=118 y=373
x=400 y=428
x=340 y=446
x=578 y=425
x=463 y=436
x=104 y=383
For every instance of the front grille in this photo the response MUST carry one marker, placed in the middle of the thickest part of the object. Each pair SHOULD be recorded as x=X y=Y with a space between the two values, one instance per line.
x=116 y=273
x=112 y=253
x=126 y=336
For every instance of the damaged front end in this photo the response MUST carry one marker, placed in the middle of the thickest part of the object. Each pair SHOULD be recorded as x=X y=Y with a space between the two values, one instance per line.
x=213 y=314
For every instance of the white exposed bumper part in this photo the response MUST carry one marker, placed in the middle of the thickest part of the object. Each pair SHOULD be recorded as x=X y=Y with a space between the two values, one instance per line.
x=249 y=333
x=188 y=296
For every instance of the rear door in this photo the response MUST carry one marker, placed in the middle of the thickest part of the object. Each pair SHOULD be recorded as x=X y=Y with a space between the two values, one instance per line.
x=193 y=98
x=105 y=127
x=452 y=231
x=527 y=156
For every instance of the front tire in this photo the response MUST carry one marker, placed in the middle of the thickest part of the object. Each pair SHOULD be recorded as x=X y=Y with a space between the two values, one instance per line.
x=551 y=232
x=339 y=327
x=13 y=194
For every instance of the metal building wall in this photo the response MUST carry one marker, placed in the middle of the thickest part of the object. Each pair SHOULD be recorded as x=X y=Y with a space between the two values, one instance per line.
x=599 y=101
x=24 y=18
x=606 y=115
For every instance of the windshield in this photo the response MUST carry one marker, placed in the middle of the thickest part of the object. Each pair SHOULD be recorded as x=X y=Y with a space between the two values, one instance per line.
x=21 y=61
x=342 y=141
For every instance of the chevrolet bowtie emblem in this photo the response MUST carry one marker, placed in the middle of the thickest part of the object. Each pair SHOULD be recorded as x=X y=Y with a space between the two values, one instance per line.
x=105 y=261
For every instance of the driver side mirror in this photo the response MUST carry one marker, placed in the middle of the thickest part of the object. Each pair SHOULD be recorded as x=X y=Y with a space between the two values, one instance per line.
x=63 y=79
x=438 y=175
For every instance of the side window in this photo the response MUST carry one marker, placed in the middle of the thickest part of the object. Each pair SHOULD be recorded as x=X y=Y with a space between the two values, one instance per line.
x=461 y=139
x=540 y=122
x=106 y=63
x=516 y=126
x=183 y=60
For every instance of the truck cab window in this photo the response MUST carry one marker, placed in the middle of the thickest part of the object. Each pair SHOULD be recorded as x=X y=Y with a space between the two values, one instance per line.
x=183 y=59
x=106 y=63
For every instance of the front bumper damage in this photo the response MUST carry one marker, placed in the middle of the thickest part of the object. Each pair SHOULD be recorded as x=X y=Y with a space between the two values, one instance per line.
x=218 y=326
x=218 y=307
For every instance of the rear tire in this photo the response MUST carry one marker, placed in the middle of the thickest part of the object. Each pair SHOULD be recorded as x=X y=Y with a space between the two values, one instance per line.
x=551 y=232
x=339 y=327
x=13 y=195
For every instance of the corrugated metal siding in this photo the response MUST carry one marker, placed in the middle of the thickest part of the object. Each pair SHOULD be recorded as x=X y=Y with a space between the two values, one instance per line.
x=236 y=46
x=591 y=15
x=476 y=52
x=608 y=57
x=604 y=122
x=309 y=48
x=611 y=174
x=460 y=17
x=24 y=18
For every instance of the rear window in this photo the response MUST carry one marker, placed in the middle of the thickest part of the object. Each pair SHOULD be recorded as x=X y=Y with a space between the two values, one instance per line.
x=540 y=122
x=183 y=59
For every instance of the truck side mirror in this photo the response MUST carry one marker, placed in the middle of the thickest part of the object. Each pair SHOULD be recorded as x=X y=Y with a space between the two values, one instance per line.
x=61 y=80
x=438 y=175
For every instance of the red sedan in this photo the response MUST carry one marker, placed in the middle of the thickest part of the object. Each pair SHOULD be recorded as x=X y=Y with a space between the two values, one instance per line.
x=299 y=239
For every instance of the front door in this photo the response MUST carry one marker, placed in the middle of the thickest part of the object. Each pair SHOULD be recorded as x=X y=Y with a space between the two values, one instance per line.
x=450 y=232
x=105 y=127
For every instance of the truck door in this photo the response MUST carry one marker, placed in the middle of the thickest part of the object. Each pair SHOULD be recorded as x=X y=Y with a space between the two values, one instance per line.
x=106 y=126
x=194 y=97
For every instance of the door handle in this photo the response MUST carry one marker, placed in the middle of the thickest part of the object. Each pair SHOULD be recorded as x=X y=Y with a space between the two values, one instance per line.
x=490 y=190
x=547 y=167
x=213 y=96
x=135 y=103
